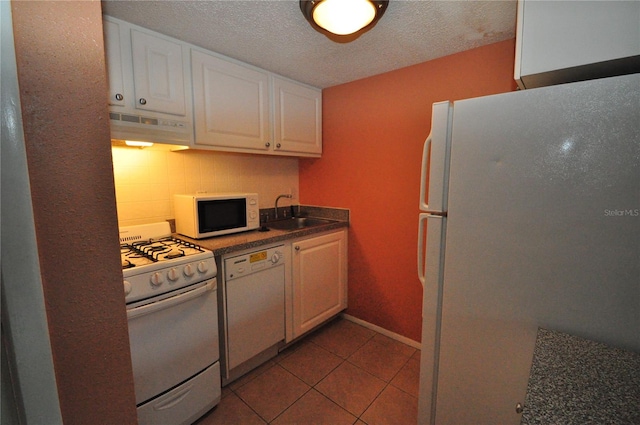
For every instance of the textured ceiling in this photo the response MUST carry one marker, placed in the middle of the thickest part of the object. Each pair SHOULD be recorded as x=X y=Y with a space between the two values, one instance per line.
x=273 y=34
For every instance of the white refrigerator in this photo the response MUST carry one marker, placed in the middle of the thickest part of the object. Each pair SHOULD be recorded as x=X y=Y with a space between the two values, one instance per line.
x=531 y=218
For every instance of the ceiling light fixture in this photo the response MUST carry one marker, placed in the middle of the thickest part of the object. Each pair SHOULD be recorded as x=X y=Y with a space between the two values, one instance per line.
x=343 y=20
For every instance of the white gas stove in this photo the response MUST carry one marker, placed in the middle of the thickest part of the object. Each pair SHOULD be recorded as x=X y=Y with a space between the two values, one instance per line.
x=171 y=296
x=153 y=262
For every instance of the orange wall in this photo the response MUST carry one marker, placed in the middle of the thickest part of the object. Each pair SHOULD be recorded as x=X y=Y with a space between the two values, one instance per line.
x=373 y=133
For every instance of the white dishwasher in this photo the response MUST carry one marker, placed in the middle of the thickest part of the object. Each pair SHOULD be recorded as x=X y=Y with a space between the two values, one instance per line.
x=253 y=303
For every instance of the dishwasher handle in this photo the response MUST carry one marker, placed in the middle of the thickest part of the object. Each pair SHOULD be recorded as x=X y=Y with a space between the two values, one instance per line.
x=171 y=301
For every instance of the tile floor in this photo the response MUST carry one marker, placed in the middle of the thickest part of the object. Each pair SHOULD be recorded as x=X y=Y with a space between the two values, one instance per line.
x=343 y=373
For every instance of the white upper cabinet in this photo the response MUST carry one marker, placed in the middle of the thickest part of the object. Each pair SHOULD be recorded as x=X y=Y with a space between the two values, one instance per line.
x=146 y=71
x=573 y=40
x=149 y=85
x=297 y=117
x=231 y=104
x=165 y=90
x=115 y=66
x=158 y=74
x=241 y=108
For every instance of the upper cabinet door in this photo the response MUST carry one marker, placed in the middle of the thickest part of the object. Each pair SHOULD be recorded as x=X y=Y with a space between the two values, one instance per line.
x=297 y=117
x=158 y=74
x=231 y=104
x=115 y=62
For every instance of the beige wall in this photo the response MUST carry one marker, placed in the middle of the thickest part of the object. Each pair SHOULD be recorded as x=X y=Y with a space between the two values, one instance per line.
x=62 y=83
x=146 y=179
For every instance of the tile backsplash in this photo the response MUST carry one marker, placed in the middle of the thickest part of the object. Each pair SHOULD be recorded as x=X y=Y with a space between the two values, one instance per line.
x=146 y=179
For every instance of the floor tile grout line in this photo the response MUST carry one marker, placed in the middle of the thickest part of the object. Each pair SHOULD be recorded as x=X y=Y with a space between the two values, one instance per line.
x=342 y=361
x=250 y=408
x=400 y=369
x=358 y=417
x=278 y=359
x=313 y=387
x=289 y=406
x=386 y=383
x=324 y=377
x=286 y=408
x=255 y=373
x=322 y=395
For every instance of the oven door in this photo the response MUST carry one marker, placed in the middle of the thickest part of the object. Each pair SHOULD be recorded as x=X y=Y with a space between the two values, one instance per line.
x=173 y=339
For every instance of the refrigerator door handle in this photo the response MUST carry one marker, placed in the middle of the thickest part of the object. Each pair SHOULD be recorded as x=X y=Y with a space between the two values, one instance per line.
x=432 y=243
x=421 y=241
x=431 y=252
x=435 y=160
x=426 y=156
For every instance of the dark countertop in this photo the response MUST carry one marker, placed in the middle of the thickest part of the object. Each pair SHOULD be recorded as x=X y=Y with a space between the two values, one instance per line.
x=255 y=238
x=578 y=381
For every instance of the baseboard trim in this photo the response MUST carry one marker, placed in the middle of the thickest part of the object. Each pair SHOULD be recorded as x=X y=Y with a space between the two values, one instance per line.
x=382 y=331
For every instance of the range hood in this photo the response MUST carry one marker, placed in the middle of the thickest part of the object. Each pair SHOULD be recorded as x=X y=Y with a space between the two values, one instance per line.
x=149 y=128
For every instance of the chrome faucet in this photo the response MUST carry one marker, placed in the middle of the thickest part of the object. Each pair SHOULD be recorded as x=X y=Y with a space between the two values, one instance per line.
x=278 y=198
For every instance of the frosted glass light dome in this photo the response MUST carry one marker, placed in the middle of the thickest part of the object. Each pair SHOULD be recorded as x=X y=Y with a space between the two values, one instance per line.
x=343 y=21
x=344 y=17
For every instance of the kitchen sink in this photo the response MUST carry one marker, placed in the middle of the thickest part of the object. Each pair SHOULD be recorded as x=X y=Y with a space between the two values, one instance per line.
x=297 y=223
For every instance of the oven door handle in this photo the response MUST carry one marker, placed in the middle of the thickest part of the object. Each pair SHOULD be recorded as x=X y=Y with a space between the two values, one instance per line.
x=171 y=301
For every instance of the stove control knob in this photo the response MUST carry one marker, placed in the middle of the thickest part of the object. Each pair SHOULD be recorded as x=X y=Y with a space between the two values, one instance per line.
x=275 y=257
x=157 y=279
x=127 y=288
x=172 y=274
x=203 y=267
x=188 y=270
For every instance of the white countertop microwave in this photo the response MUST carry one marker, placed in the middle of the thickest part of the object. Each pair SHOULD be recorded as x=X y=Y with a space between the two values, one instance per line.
x=203 y=215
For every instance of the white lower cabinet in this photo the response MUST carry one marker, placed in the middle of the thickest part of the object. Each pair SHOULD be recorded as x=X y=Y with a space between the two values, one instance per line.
x=319 y=285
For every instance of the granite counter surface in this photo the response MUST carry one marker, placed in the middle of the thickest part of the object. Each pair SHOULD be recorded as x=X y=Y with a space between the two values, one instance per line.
x=577 y=381
x=221 y=245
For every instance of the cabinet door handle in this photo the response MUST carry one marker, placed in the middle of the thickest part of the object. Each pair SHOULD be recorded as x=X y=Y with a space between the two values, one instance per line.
x=278 y=145
x=267 y=144
x=143 y=101
x=297 y=248
x=119 y=96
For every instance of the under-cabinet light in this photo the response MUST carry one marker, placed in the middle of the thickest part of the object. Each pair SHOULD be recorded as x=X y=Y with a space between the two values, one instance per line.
x=138 y=144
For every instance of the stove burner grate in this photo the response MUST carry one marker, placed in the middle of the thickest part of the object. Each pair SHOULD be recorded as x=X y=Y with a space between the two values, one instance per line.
x=155 y=250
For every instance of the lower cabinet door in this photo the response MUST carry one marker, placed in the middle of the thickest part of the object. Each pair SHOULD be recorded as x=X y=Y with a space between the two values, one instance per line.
x=319 y=280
